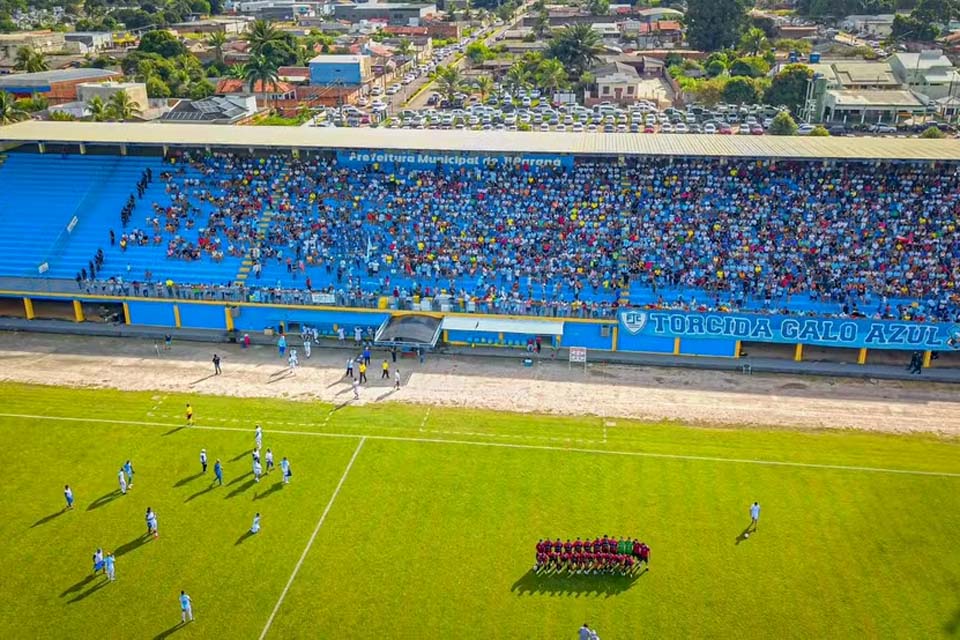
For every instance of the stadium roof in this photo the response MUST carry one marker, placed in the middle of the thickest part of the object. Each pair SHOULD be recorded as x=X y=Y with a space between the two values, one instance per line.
x=490 y=142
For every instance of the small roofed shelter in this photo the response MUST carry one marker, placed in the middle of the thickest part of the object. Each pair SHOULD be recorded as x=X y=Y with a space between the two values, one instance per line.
x=871 y=107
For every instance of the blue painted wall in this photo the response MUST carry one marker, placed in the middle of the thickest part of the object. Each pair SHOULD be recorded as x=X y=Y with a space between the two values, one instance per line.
x=702 y=347
x=153 y=313
x=202 y=316
x=255 y=319
x=581 y=334
x=648 y=344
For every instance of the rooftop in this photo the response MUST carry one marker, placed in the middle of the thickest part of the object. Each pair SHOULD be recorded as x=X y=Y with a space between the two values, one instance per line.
x=875 y=73
x=496 y=142
x=923 y=60
x=855 y=97
x=337 y=58
x=44 y=78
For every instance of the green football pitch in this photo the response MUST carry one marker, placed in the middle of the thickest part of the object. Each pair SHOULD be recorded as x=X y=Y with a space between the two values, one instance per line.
x=408 y=522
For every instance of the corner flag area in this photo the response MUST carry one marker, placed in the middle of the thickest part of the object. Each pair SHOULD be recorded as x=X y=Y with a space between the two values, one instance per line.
x=399 y=523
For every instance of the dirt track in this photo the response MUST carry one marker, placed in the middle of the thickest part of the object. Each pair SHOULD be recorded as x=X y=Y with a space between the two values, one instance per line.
x=705 y=397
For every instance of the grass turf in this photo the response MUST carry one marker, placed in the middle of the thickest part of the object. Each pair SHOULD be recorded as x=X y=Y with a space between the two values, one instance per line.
x=435 y=539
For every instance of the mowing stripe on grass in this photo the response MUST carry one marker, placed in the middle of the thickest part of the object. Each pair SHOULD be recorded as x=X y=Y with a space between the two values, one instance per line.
x=509 y=445
x=306 y=550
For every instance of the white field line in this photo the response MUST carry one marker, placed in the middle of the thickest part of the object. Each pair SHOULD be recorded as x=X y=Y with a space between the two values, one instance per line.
x=510 y=445
x=423 y=423
x=316 y=530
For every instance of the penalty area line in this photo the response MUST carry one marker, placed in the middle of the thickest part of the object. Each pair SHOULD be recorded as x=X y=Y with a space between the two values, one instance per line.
x=509 y=445
x=316 y=530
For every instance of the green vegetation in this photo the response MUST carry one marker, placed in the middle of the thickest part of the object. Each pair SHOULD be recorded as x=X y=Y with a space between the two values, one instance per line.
x=454 y=521
x=783 y=125
x=819 y=131
x=713 y=25
x=577 y=47
x=10 y=112
x=933 y=133
x=30 y=61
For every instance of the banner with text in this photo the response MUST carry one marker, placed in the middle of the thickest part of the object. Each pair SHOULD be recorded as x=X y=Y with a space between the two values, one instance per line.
x=448 y=160
x=826 y=332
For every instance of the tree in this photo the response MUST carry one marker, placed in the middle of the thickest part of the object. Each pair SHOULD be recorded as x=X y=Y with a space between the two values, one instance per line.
x=819 y=131
x=30 y=60
x=236 y=71
x=935 y=11
x=789 y=87
x=753 y=41
x=157 y=88
x=912 y=28
x=121 y=106
x=551 y=76
x=715 y=24
x=715 y=68
x=263 y=37
x=517 y=76
x=741 y=90
x=933 y=133
x=405 y=48
x=477 y=52
x=710 y=92
x=598 y=7
x=97 y=109
x=9 y=111
x=577 y=47
x=449 y=81
x=162 y=43
x=217 y=41
x=484 y=85
x=750 y=66
x=202 y=89
x=783 y=125
x=62 y=116
x=263 y=71
x=542 y=25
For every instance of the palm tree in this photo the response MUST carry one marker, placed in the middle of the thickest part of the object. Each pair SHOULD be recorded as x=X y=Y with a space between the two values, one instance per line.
x=122 y=107
x=542 y=26
x=577 y=47
x=262 y=35
x=551 y=76
x=237 y=71
x=217 y=40
x=484 y=85
x=9 y=111
x=517 y=76
x=753 y=41
x=30 y=60
x=405 y=48
x=98 y=110
x=449 y=81
x=263 y=71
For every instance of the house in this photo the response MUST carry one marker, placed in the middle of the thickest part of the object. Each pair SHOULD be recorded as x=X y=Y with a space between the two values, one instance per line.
x=136 y=91
x=57 y=86
x=344 y=70
x=948 y=107
x=213 y=110
x=328 y=96
x=645 y=66
x=615 y=82
x=90 y=41
x=268 y=94
x=929 y=73
x=391 y=13
x=652 y=34
x=656 y=14
x=42 y=41
x=294 y=75
x=864 y=75
x=878 y=26
x=229 y=26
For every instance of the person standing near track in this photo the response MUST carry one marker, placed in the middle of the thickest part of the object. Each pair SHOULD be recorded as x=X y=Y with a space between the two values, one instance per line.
x=189 y=414
x=216 y=365
x=385 y=370
x=396 y=379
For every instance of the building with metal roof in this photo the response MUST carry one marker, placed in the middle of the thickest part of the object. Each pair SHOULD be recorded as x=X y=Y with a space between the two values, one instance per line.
x=57 y=86
x=477 y=142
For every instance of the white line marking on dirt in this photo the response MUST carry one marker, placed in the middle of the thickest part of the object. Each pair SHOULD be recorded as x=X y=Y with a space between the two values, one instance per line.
x=509 y=445
x=313 y=537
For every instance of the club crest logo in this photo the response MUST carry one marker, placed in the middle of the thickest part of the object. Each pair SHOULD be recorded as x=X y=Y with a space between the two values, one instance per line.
x=634 y=321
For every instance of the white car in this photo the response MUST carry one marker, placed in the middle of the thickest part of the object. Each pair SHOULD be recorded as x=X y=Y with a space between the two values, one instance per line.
x=680 y=128
x=709 y=128
x=376 y=91
x=362 y=101
x=393 y=90
x=666 y=127
x=377 y=106
x=805 y=129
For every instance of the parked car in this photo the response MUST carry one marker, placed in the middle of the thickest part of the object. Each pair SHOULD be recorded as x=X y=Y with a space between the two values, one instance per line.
x=805 y=129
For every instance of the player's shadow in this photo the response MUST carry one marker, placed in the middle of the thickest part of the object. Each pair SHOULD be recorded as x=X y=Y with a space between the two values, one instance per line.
x=174 y=430
x=89 y=592
x=133 y=545
x=199 y=380
x=104 y=499
x=241 y=455
x=276 y=486
x=576 y=585
x=184 y=481
x=743 y=534
x=80 y=585
x=44 y=520
x=169 y=632
x=280 y=375
x=243 y=538
x=201 y=492
x=952 y=627
x=385 y=395
x=243 y=487
x=239 y=478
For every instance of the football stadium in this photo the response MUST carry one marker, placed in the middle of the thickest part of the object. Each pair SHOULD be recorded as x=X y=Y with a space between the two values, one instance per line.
x=312 y=383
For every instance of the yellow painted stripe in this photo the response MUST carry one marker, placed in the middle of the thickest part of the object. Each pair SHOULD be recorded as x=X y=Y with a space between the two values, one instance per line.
x=798 y=353
x=126 y=313
x=78 y=311
x=229 y=318
x=676 y=346
x=176 y=316
x=28 y=308
x=862 y=356
x=927 y=357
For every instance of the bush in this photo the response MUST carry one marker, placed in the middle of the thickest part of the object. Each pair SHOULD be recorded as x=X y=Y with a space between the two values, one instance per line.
x=933 y=133
x=783 y=125
x=820 y=132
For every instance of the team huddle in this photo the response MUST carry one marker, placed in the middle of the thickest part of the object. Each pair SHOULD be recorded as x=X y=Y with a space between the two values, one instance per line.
x=601 y=555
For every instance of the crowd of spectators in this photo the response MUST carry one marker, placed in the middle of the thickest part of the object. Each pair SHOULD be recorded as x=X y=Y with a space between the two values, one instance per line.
x=855 y=239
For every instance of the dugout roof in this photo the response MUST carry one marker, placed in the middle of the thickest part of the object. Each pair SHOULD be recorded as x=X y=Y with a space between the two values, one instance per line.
x=503 y=325
x=491 y=142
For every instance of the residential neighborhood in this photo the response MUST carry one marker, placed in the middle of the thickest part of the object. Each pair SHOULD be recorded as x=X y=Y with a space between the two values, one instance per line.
x=579 y=66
